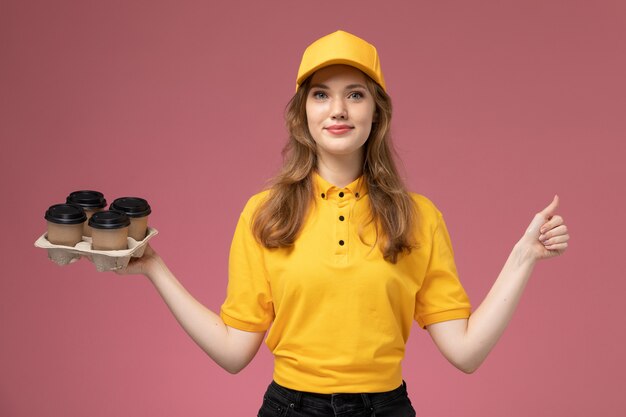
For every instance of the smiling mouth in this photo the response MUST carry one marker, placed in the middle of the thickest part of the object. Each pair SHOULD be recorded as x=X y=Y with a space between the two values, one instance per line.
x=339 y=130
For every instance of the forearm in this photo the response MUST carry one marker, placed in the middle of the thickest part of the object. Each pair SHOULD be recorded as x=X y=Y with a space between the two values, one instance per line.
x=205 y=327
x=490 y=319
x=466 y=343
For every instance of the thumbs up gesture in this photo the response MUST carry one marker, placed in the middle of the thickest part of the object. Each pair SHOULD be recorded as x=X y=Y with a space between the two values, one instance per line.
x=547 y=235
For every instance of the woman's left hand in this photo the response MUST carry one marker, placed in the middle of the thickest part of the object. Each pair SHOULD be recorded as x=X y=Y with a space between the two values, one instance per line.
x=547 y=235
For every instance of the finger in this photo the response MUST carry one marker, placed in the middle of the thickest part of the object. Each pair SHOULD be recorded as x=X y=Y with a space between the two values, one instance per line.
x=555 y=239
x=549 y=211
x=555 y=221
x=557 y=246
x=559 y=230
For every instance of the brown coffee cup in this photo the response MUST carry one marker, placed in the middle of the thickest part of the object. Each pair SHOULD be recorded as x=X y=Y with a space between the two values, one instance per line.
x=91 y=201
x=109 y=230
x=138 y=210
x=65 y=224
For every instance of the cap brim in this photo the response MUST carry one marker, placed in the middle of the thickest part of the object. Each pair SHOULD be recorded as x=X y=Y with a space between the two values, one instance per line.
x=339 y=61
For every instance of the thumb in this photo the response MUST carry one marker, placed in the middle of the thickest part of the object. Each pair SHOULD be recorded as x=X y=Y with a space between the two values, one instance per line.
x=549 y=211
x=542 y=217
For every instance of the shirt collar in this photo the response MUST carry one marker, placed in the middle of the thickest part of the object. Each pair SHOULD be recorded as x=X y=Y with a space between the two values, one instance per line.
x=326 y=190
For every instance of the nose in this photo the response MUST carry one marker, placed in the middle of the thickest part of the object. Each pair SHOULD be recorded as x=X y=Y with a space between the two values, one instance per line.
x=339 y=110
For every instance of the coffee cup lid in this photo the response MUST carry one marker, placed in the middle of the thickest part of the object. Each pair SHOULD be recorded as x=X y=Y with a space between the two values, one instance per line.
x=132 y=206
x=65 y=214
x=109 y=219
x=88 y=199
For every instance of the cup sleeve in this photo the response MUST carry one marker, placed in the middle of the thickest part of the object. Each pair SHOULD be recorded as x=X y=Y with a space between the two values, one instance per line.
x=441 y=296
x=248 y=305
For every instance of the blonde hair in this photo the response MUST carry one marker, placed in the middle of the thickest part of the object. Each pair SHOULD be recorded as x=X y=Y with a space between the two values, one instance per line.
x=280 y=217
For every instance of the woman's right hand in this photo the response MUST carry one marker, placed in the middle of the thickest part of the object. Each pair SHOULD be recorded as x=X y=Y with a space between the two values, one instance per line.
x=230 y=348
x=140 y=266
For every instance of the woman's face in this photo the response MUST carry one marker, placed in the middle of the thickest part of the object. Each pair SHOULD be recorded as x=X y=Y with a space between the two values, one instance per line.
x=340 y=110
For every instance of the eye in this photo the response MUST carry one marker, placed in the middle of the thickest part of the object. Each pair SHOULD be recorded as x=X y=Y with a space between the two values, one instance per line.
x=319 y=95
x=356 y=95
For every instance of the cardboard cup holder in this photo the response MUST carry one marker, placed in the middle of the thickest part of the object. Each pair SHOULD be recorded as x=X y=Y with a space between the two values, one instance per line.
x=105 y=260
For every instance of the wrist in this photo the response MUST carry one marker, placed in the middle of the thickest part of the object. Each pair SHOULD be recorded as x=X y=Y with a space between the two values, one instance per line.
x=152 y=265
x=524 y=254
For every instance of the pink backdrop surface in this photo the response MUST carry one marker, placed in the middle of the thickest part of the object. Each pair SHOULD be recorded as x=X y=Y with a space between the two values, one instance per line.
x=498 y=106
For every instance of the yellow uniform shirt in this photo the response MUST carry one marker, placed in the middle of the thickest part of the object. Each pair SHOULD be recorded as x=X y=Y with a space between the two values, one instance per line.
x=340 y=314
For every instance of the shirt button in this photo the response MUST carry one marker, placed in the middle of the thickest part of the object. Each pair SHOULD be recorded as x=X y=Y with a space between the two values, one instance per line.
x=356 y=195
x=341 y=218
x=341 y=194
x=323 y=195
x=341 y=242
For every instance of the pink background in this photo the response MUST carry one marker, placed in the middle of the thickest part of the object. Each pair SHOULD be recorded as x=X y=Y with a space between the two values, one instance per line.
x=498 y=106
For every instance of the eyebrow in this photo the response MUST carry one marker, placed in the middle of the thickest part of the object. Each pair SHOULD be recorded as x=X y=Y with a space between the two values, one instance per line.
x=348 y=87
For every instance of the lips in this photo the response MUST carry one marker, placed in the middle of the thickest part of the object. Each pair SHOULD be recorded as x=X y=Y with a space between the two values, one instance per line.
x=339 y=129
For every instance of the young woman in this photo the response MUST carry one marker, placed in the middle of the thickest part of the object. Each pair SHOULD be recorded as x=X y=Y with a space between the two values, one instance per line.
x=337 y=258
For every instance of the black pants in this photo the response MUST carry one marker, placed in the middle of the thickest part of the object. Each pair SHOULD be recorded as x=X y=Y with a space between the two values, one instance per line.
x=280 y=401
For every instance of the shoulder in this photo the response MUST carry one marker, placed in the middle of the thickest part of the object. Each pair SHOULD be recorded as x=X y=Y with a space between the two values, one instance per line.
x=254 y=203
x=425 y=207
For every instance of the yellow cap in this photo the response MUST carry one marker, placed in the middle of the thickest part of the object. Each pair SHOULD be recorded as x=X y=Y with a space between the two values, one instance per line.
x=340 y=48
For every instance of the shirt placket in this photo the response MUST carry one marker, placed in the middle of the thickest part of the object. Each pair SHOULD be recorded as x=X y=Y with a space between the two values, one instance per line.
x=343 y=198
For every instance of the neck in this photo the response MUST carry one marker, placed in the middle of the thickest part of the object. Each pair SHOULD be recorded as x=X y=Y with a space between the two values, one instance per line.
x=340 y=170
